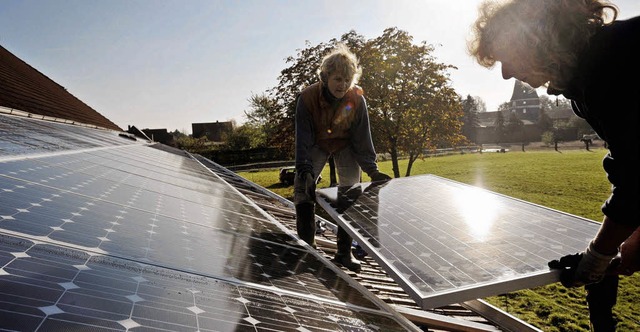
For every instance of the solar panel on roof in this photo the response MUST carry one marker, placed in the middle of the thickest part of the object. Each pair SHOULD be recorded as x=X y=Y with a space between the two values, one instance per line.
x=116 y=235
x=446 y=242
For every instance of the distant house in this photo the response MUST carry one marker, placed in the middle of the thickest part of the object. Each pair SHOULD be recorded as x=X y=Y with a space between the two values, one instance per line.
x=525 y=104
x=213 y=131
x=159 y=135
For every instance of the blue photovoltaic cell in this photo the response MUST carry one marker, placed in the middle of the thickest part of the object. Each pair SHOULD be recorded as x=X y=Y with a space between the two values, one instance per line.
x=50 y=288
x=105 y=233
x=447 y=242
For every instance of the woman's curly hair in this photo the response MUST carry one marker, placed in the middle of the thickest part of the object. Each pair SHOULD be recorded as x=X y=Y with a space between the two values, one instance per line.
x=342 y=61
x=546 y=35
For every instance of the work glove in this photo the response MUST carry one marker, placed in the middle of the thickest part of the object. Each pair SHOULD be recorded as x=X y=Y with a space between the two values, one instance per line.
x=582 y=268
x=379 y=176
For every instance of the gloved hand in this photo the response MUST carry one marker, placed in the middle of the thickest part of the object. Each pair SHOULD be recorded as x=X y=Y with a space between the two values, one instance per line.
x=309 y=184
x=379 y=176
x=582 y=268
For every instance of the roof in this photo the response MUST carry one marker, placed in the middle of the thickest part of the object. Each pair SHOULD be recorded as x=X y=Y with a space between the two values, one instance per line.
x=25 y=89
x=522 y=91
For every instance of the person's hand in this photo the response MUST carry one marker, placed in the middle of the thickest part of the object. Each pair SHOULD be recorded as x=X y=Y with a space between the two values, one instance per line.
x=628 y=260
x=582 y=268
x=379 y=176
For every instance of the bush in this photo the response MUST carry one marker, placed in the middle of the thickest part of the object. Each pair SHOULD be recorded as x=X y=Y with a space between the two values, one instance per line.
x=548 y=138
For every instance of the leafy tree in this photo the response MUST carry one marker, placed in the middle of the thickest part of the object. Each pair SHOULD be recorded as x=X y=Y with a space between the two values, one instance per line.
x=470 y=108
x=177 y=134
x=195 y=145
x=581 y=125
x=263 y=120
x=504 y=107
x=514 y=126
x=544 y=121
x=247 y=136
x=408 y=95
x=557 y=103
x=481 y=107
x=548 y=138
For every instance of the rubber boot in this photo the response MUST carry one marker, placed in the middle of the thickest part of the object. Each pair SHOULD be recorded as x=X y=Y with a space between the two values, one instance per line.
x=306 y=223
x=344 y=256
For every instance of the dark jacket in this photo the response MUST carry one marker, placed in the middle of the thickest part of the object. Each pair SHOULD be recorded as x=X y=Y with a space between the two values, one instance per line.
x=605 y=91
x=333 y=124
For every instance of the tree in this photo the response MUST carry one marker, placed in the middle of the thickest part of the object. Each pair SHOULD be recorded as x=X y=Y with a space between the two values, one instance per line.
x=548 y=137
x=504 y=107
x=194 y=145
x=247 y=136
x=544 y=121
x=581 y=125
x=481 y=106
x=408 y=95
x=557 y=103
x=470 y=109
x=514 y=126
x=407 y=91
x=264 y=116
x=499 y=127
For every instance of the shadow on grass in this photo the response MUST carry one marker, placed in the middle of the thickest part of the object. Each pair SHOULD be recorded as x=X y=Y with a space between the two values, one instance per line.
x=279 y=185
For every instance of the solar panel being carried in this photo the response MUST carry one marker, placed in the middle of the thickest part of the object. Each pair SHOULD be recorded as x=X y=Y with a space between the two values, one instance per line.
x=447 y=242
x=100 y=231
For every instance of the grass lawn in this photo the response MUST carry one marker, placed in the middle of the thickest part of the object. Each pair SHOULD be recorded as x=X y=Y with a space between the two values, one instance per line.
x=571 y=181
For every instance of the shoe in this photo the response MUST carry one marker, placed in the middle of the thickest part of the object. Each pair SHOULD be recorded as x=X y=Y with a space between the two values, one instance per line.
x=358 y=251
x=320 y=227
x=349 y=262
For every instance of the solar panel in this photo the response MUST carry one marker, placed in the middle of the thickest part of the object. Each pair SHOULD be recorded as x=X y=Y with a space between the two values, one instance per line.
x=114 y=235
x=446 y=242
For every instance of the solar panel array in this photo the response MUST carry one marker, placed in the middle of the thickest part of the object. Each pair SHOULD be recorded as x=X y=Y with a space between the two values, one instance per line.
x=447 y=242
x=100 y=231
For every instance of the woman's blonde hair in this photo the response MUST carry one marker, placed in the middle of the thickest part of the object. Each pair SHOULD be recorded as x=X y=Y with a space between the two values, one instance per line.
x=342 y=61
x=546 y=35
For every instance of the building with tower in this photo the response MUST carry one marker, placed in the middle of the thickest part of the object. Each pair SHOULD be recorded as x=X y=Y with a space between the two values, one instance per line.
x=525 y=102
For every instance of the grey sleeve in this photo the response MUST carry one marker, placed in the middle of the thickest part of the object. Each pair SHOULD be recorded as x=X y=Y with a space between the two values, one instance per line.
x=361 y=141
x=305 y=138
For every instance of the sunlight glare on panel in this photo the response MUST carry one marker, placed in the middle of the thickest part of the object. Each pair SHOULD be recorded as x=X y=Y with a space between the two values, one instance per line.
x=479 y=211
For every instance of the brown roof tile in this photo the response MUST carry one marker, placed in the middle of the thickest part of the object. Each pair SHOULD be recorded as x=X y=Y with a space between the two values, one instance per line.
x=24 y=88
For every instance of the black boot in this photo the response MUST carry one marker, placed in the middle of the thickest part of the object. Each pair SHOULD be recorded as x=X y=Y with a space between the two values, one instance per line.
x=601 y=298
x=306 y=223
x=343 y=255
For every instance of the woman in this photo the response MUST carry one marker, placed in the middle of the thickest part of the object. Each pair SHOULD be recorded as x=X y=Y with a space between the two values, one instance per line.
x=576 y=48
x=332 y=120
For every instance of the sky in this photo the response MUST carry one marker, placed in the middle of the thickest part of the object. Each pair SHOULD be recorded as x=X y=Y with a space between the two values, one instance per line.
x=170 y=63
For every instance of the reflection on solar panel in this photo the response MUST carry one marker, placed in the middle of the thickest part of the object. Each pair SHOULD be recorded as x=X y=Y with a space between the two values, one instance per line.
x=102 y=232
x=447 y=242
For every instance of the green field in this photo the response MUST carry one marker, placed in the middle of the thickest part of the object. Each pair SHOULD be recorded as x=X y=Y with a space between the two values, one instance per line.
x=571 y=181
